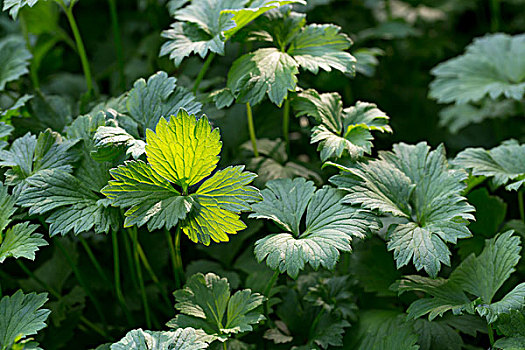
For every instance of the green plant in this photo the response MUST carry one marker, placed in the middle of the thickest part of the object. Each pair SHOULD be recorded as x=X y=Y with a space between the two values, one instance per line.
x=116 y=146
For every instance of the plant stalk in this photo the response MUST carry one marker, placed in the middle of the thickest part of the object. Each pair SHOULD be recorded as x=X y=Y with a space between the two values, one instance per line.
x=491 y=334
x=202 y=72
x=116 y=273
x=134 y=237
x=267 y=291
x=80 y=45
x=175 y=256
x=286 y=123
x=81 y=281
x=118 y=43
x=94 y=260
x=57 y=295
x=521 y=206
x=495 y=14
x=152 y=274
x=251 y=129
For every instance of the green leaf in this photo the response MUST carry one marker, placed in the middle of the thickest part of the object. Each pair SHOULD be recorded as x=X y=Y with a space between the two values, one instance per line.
x=366 y=60
x=181 y=339
x=334 y=296
x=273 y=163
x=73 y=205
x=341 y=131
x=330 y=226
x=265 y=71
x=437 y=335
x=322 y=46
x=14 y=57
x=7 y=207
x=29 y=156
x=158 y=97
x=110 y=136
x=13 y=6
x=206 y=303
x=21 y=316
x=417 y=185
x=21 y=241
x=490 y=66
x=200 y=29
x=183 y=152
x=511 y=343
x=504 y=164
x=385 y=330
x=481 y=276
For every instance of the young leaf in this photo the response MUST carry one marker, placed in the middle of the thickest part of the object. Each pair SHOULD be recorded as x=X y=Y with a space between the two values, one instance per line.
x=5 y=131
x=181 y=339
x=206 y=303
x=182 y=153
x=19 y=241
x=481 y=276
x=273 y=71
x=205 y=25
x=504 y=164
x=417 y=185
x=21 y=317
x=14 y=59
x=490 y=66
x=13 y=6
x=29 y=156
x=340 y=131
x=330 y=225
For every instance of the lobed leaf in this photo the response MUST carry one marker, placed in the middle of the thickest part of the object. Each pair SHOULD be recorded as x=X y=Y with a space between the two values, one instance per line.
x=14 y=57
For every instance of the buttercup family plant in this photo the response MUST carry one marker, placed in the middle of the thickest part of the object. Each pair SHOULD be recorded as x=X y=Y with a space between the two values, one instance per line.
x=254 y=174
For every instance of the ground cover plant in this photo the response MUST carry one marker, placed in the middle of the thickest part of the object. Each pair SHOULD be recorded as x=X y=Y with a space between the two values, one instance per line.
x=262 y=174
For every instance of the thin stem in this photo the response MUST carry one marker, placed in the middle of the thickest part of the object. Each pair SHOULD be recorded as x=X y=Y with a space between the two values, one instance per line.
x=59 y=297
x=116 y=273
x=203 y=71
x=118 y=43
x=494 y=15
x=152 y=274
x=251 y=128
x=267 y=291
x=80 y=280
x=314 y=323
x=134 y=237
x=79 y=43
x=491 y=334
x=175 y=256
x=520 y=205
x=129 y=258
x=94 y=260
x=286 y=123
x=224 y=347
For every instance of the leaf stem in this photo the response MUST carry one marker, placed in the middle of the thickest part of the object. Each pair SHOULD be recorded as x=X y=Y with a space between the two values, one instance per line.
x=57 y=295
x=81 y=281
x=491 y=334
x=286 y=123
x=521 y=206
x=494 y=15
x=116 y=273
x=152 y=274
x=267 y=291
x=134 y=237
x=175 y=255
x=80 y=45
x=94 y=260
x=118 y=43
x=251 y=128
x=315 y=323
x=202 y=72
x=224 y=347
x=129 y=258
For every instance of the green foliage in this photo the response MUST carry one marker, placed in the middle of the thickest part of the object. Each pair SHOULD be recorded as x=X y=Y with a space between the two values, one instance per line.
x=21 y=316
x=13 y=6
x=330 y=226
x=416 y=185
x=504 y=164
x=204 y=26
x=14 y=59
x=181 y=339
x=481 y=276
x=341 y=132
x=183 y=152
x=273 y=70
x=206 y=303
x=491 y=66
